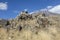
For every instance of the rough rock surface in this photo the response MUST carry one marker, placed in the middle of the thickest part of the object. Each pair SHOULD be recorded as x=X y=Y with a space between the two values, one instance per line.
x=27 y=26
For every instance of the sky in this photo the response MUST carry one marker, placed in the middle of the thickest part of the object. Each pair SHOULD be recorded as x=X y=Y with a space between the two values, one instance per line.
x=11 y=8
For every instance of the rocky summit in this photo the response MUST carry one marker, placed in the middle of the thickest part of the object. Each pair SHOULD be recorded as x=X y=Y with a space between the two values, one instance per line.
x=35 y=26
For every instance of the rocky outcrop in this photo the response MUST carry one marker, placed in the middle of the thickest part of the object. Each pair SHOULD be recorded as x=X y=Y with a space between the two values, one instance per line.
x=27 y=26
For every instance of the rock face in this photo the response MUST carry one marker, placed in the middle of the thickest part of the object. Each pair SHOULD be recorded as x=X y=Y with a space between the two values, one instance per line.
x=36 y=26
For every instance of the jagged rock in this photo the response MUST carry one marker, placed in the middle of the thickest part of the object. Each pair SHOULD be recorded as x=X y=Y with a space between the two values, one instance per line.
x=24 y=16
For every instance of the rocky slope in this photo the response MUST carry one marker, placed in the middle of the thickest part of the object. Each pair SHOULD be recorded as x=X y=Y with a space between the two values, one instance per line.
x=36 y=26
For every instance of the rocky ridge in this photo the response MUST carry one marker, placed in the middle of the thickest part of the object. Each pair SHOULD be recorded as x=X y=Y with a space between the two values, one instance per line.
x=36 y=26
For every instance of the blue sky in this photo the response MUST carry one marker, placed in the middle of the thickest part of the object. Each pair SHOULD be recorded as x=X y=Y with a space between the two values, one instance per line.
x=12 y=7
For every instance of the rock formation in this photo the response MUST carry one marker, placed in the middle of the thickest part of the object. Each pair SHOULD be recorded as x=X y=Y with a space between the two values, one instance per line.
x=36 y=26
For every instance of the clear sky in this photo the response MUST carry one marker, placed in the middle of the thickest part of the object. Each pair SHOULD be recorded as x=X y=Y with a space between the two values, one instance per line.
x=12 y=7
